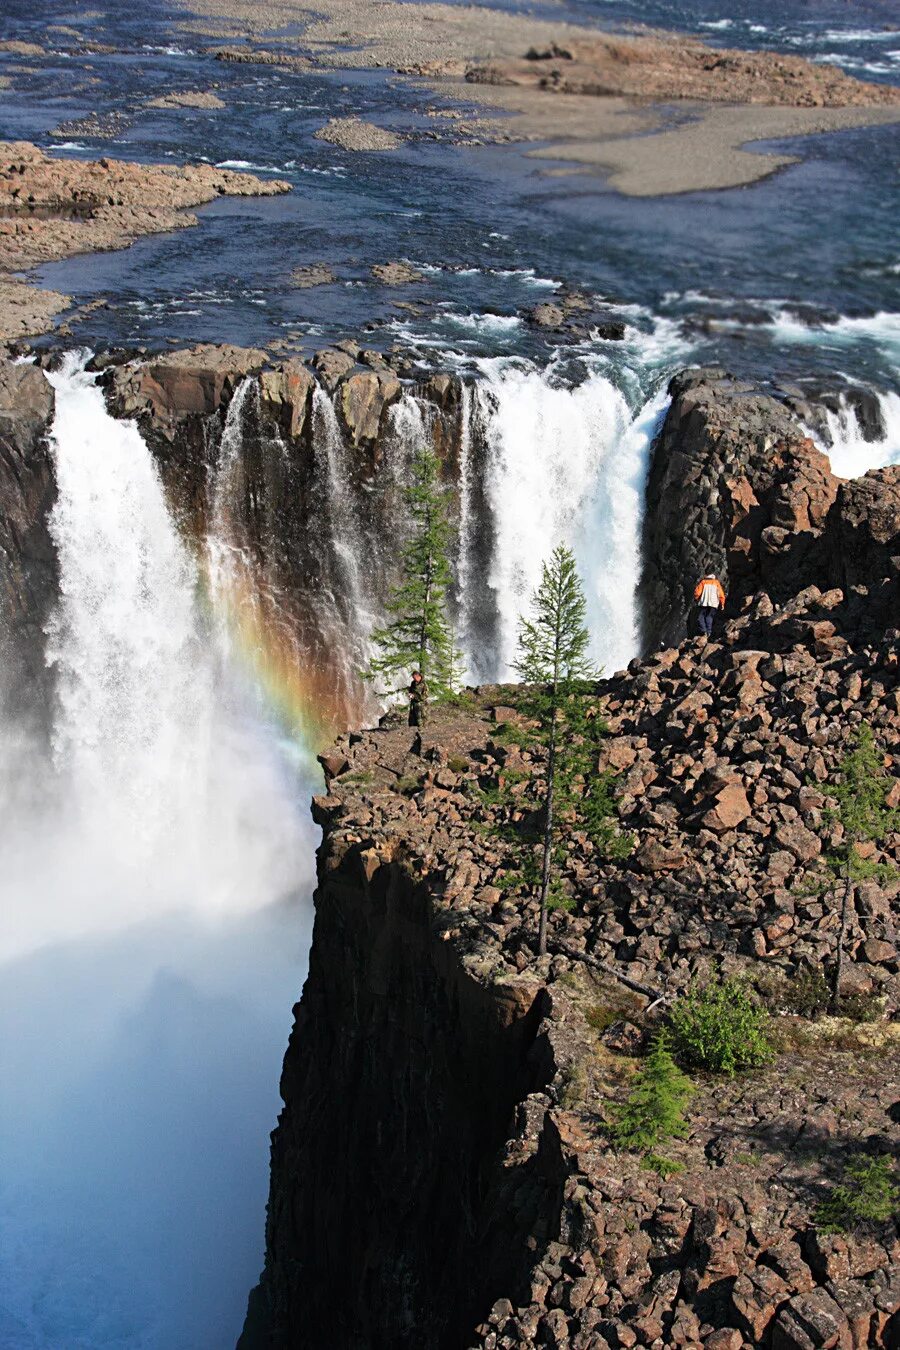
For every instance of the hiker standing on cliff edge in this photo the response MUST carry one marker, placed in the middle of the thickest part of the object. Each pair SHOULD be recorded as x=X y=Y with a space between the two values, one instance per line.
x=418 y=700
x=710 y=598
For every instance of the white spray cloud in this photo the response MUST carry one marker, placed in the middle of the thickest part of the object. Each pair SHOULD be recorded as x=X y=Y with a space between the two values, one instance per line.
x=156 y=922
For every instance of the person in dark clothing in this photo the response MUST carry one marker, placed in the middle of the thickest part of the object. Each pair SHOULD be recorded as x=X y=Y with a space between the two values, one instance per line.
x=710 y=599
x=418 y=700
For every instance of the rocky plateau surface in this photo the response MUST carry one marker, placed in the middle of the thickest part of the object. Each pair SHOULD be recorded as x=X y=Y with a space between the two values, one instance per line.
x=669 y=66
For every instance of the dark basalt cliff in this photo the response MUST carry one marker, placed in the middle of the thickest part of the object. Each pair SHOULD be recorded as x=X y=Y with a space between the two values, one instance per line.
x=28 y=577
x=402 y=1074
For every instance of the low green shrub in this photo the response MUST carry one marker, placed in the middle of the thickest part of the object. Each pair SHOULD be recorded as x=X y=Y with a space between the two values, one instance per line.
x=663 y=1167
x=861 y=1007
x=806 y=994
x=653 y=1109
x=868 y=1192
x=720 y=1027
x=409 y=784
x=458 y=764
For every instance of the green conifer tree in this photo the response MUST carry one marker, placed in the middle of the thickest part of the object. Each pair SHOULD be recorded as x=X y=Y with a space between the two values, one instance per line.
x=861 y=790
x=553 y=663
x=653 y=1110
x=417 y=634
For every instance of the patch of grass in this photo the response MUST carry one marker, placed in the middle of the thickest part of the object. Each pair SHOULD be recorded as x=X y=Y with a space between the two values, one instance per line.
x=600 y=1017
x=747 y=1159
x=663 y=1167
x=721 y=1027
x=566 y=903
x=458 y=763
x=489 y=796
x=360 y=778
x=867 y=1193
x=409 y=784
x=574 y=1085
x=461 y=701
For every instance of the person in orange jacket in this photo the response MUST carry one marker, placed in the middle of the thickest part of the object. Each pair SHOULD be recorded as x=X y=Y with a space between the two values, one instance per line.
x=710 y=599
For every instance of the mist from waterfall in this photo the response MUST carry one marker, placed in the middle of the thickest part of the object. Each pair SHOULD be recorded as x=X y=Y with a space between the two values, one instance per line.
x=156 y=885
x=851 y=453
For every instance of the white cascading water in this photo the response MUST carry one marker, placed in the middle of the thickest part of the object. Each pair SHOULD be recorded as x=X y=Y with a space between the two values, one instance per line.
x=155 y=887
x=342 y=516
x=850 y=453
x=563 y=466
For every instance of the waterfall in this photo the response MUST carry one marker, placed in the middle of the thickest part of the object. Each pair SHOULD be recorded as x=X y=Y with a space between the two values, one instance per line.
x=851 y=454
x=155 y=939
x=560 y=465
x=155 y=873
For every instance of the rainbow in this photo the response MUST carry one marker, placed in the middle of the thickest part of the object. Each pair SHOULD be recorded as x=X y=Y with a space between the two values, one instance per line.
x=311 y=697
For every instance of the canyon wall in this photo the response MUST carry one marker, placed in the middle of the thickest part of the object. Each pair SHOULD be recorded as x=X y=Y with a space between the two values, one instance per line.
x=29 y=580
x=402 y=1074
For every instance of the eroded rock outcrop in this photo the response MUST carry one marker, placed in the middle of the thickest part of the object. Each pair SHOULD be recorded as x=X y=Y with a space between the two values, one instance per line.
x=54 y=208
x=680 y=67
x=737 y=486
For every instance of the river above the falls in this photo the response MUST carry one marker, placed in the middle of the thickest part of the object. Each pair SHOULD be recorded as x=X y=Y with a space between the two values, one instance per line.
x=792 y=276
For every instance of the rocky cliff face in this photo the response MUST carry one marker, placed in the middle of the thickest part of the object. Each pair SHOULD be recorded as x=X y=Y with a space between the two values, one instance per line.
x=736 y=485
x=28 y=581
x=296 y=468
x=441 y=1171
x=404 y=1067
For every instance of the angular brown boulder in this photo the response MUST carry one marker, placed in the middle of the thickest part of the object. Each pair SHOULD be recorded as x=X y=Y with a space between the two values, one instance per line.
x=193 y=382
x=284 y=395
x=363 y=400
x=728 y=809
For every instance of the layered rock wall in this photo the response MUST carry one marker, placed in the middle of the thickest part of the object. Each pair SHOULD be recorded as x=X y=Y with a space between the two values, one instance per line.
x=28 y=578
x=400 y=1081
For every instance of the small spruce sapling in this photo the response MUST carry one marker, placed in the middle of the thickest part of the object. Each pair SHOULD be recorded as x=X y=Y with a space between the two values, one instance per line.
x=653 y=1111
x=861 y=792
x=868 y=1193
x=418 y=634
x=553 y=664
x=553 y=646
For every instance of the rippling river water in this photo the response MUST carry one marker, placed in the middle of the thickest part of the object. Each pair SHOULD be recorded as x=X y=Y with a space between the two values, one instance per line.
x=795 y=275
